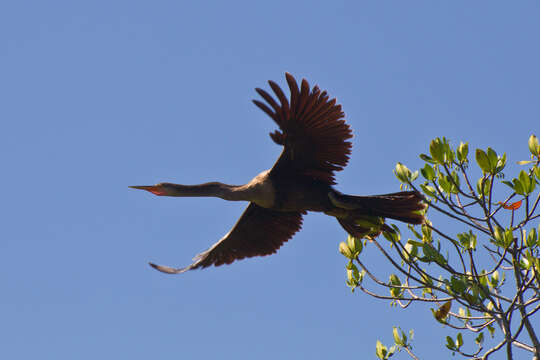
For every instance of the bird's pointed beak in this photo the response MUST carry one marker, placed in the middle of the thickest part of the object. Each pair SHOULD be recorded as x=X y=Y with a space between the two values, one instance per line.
x=141 y=187
x=156 y=190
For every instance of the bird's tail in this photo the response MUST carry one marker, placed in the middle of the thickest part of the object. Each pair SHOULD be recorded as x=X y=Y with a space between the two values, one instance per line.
x=405 y=206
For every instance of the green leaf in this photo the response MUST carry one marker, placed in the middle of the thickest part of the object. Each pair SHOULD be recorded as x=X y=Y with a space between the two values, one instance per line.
x=394 y=280
x=532 y=186
x=537 y=270
x=526 y=182
x=399 y=339
x=532 y=238
x=479 y=339
x=448 y=152
x=428 y=172
x=432 y=254
x=381 y=351
x=493 y=158
x=427 y=158
x=467 y=240
x=494 y=282
x=442 y=312
x=508 y=237
x=436 y=150
x=453 y=180
x=473 y=241
x=499 y=236
x=459 y=340
x=450 y=344
x=402 y=173
x=428 y=190
x=427 y=234
x=351 y=280
x=392 y=236
x=426 y=280
x=462 y=152
x=457 y=285
x=411 y=251
x=528 y=260
x=355 y=245
x=392 y=350
x=491 y=330
x=508 y=183
x=483 y=279
x=353 y=276
x=471 y=299
x=483 y=161
x=518 y=187
x=482 y=187
x=416 y=243
x=534 y=147
x=446 y=186
x=501 y=163
x=345 y=251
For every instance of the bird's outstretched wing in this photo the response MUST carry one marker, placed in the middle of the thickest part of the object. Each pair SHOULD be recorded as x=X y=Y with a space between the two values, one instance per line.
x=258 y=232
x=312 y=130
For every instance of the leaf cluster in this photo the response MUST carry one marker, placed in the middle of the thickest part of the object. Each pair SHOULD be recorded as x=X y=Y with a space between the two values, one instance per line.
x=450 y=270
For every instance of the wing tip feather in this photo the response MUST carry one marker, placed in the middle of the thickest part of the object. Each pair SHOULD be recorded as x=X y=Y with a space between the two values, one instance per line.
x=170 y=270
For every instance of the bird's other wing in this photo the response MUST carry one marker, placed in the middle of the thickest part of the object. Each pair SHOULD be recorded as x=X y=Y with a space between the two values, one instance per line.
x=258 y=232
x=312 y=130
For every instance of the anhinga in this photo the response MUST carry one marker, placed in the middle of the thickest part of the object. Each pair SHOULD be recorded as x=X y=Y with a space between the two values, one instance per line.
x=314 y=136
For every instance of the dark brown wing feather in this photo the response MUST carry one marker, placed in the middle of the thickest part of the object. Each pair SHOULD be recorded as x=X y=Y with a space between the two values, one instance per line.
x=312 y=130
x=258 y=232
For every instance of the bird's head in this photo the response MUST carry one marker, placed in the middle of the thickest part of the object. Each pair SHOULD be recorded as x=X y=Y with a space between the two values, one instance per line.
x=161 y=189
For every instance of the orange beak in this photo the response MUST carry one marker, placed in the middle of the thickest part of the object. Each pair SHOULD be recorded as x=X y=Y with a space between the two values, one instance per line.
x=156 y=190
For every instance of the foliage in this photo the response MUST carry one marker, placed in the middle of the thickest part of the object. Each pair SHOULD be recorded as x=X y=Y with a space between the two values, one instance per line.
x=481 y=277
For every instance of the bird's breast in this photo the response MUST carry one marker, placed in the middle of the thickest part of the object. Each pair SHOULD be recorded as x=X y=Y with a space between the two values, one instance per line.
x=262 y=191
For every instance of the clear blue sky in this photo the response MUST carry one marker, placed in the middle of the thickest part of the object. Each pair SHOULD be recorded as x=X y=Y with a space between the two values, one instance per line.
x=96 y=96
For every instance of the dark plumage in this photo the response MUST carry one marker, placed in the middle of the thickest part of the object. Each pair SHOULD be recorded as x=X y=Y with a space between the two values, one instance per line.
x=315 y=140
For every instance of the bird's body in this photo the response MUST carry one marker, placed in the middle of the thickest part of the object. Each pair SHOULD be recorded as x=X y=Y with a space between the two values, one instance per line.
x=290 y=193
x=314 y=137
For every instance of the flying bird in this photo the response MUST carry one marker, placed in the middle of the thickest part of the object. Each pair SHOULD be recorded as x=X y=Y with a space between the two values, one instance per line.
x=314 y=136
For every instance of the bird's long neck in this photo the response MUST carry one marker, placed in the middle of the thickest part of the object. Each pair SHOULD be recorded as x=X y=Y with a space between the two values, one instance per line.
x=259 y=190
x=211 y=189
